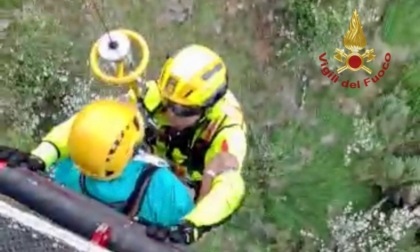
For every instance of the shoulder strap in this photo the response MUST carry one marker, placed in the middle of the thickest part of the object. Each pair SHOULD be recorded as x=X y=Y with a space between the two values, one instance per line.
x=213 y=130
x=135 y=201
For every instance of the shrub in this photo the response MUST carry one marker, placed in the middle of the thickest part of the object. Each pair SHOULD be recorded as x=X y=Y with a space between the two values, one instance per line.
x=41 y=90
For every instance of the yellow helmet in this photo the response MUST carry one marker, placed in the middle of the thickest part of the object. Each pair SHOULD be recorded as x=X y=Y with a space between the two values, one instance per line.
x=103 y=136
x=195 y=76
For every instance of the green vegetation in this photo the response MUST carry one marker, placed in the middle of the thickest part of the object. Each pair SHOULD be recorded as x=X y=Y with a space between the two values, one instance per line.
x=298 y=171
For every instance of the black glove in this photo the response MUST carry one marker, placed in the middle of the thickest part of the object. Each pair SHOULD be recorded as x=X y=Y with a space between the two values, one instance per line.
x=16 y=158
x=185 y=232
x=157 y=233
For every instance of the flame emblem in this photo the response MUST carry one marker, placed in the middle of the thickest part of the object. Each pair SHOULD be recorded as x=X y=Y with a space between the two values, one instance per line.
x=354 y=40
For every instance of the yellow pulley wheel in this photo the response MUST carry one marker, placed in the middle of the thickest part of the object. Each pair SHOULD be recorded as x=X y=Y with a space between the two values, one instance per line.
x=114 y=47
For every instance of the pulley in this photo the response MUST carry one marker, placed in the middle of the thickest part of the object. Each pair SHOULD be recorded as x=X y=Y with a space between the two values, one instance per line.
x=115 y=47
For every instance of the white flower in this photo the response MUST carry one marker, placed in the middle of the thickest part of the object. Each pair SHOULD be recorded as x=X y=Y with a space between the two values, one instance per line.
x=364 y=139
x=366 y=230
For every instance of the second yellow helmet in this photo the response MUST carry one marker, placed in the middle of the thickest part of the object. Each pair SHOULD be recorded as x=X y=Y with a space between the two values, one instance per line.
x=193 y=76
x=103 y=137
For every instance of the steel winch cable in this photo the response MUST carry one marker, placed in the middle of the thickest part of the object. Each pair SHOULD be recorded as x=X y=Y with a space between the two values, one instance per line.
x=113 y=44
x=101 y=20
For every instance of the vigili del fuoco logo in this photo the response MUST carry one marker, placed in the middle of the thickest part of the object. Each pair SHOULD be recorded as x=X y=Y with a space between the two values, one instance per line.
x=354 y=59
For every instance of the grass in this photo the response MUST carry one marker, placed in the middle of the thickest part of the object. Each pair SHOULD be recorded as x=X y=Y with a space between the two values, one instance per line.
x=295 y=169
x=398 y=28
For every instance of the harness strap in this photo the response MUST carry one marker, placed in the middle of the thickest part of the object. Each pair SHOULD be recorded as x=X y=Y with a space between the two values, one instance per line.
x=136 y=198
x=131 y=206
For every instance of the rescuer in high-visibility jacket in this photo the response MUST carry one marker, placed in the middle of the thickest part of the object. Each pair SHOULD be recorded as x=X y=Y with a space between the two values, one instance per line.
x=200 y=130
x=100 y=160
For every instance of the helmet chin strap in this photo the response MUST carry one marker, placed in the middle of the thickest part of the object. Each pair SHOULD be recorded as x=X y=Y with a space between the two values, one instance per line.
x=209 y=104
x=215 y=98
x=218 y=95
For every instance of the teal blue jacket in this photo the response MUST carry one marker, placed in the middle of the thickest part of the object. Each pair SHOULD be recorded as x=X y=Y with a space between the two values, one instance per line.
x=167 y=200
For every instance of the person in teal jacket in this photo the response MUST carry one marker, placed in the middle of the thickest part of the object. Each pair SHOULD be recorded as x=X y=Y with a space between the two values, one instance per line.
x=102 y=161
x=165 y=202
